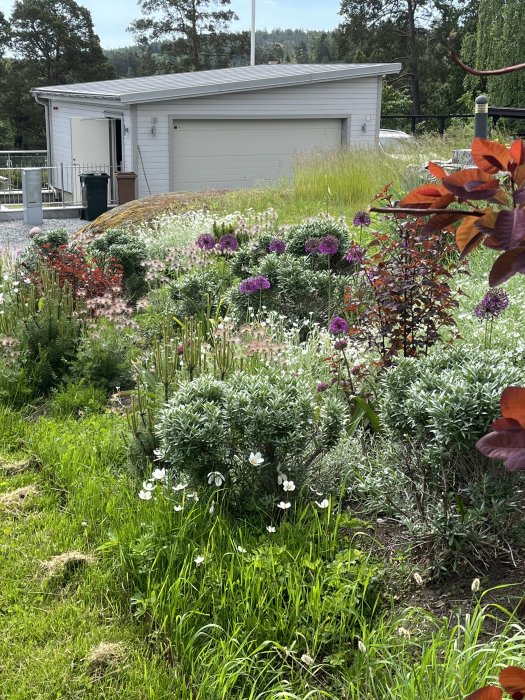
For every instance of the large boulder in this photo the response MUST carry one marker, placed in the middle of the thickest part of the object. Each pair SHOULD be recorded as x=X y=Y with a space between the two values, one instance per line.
x=142 y=210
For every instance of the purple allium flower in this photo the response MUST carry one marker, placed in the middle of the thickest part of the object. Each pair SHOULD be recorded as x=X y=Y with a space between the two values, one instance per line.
x=206 y=241
x=248 y=286
x=362 y=218
x=228 y=242
x=180 y=349
x=276 y=245
x=338 y=325
x=329 y=245
x=355 y=254
x=254 y=284
x=340 y=344
x=492 y=305
x=311 y=246
x=322 y=386
x=262 y=283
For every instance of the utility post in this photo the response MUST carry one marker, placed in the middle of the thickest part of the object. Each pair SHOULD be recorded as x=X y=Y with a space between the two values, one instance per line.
x=32 y=196
x=252 y=43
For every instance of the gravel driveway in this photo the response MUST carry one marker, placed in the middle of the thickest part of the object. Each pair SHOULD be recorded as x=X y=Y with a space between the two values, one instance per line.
x=14 y=235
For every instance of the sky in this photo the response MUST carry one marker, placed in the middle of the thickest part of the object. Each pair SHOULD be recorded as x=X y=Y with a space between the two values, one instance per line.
x=111 y=17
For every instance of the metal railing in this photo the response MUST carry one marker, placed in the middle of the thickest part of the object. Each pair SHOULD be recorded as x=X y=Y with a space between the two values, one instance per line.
x=23 y=159
x=60 y=185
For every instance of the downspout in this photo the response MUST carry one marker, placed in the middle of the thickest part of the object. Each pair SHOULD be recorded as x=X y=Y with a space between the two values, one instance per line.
x=49 y=144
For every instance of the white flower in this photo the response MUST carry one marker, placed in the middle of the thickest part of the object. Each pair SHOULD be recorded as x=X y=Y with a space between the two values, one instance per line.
x=255 y=458
x=403 y=632
x=179 y=487
x=148 y=486
x=241 y=549
x=323 y=504
x=281 y=478
x=418 y=579
x=84 y=523
x=159 y=474
x=145 y=495
x=288 y=486
x=212 y=508
x=283 y=506
x=198 y=560
x=306 y=659
x=216 y=478
x=361 y=647
x=270 y=528
x=177 y=509
x=474 y=587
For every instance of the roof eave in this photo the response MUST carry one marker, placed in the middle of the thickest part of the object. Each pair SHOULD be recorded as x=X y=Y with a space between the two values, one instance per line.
x=261 y=84
x=47 y=94
x=217 y=89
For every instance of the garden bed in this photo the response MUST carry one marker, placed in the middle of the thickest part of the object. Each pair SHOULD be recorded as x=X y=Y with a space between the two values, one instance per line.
x=237 y=458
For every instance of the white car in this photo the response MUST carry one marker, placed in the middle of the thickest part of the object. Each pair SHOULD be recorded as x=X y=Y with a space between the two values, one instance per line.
x=394 y=142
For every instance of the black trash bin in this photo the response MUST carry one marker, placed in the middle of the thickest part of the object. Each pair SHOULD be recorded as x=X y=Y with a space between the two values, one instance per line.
x=94 y=195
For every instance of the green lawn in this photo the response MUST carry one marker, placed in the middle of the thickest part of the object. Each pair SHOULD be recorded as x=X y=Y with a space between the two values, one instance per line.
x=50 y=625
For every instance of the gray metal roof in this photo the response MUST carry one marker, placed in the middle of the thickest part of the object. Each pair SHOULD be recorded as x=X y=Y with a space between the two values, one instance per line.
x=209 y=82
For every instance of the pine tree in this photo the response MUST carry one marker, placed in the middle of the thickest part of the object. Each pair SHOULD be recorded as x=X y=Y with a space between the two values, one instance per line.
x=191 y=27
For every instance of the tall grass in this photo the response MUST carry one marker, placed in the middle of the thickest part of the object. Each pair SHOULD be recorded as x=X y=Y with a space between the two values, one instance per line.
x=344 y=181
x=337 y=183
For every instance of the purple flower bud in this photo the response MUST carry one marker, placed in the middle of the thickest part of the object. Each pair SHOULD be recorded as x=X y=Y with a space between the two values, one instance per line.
x=338 y=325
x=329 y=245
x=311 y=246
x=254 y=284
x=247 y=286
x=228 y=242
x=492 y=305
x=276 y=245
x=180 y=349
x=362 y=218
x=322 y=386
x=340 y=344
x=355 y=254
x=206 y=241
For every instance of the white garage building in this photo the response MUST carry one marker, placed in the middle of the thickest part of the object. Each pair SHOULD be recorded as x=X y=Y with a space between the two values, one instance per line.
x=225 y=129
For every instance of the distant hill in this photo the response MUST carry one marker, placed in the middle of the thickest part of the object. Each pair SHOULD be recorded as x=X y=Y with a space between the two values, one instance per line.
x=280 y=45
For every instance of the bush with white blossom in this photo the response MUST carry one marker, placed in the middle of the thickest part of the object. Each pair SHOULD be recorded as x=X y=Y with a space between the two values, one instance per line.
x=257 y=437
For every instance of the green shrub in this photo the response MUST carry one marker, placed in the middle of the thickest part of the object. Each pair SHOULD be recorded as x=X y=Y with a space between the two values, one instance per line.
x=448 y=399
x=104 y=357
x=297 y=291
x=199 y=292
x=128 y=251
x=214 y=426
x=458 y=511
x=77 y=400
x=49 y=337
x=41 y=245
x=15 y=383
x=317 y=228
x=249 y=255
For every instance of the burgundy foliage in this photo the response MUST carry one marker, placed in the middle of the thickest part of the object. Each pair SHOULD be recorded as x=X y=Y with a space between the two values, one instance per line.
x=404 y=299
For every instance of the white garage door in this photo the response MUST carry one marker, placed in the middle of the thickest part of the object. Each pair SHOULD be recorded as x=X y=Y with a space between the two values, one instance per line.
x=231 y=154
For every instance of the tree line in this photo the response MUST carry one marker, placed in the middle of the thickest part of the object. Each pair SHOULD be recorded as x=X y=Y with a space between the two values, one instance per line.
x=46 y=42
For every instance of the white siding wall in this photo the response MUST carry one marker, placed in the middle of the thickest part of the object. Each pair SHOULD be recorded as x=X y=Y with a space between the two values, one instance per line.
x=61 y=127
x=356 y=99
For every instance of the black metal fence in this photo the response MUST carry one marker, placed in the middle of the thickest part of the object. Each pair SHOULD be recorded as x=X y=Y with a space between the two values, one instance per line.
x=440 y=122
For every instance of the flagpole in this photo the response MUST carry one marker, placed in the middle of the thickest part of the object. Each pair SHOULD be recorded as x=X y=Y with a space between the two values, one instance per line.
x=252 y=47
